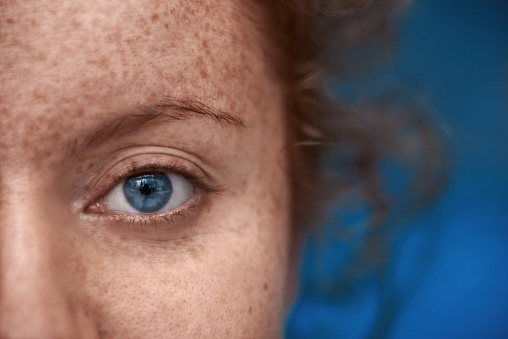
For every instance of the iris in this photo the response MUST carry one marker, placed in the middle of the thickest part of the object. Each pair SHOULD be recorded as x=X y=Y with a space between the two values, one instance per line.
x=148 y=192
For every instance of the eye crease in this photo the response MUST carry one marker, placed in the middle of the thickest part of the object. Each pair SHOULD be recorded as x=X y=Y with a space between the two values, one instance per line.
x=149 y=192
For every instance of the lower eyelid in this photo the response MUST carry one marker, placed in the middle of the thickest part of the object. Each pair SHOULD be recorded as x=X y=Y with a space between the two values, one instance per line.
x=172 y=221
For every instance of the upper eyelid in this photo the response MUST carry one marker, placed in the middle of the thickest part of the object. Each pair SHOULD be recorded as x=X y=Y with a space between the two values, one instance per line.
x=155 y=166
x=152 y=152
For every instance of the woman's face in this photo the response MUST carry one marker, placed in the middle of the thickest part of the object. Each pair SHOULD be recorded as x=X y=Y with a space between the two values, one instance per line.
x=144 y=191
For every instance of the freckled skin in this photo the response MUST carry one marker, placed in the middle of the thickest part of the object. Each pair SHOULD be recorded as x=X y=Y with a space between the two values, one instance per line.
x=67 y=66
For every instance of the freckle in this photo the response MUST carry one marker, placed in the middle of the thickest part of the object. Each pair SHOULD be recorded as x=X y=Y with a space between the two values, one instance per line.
x=10 y=21
x=112 y=75
x=90 y=165
x=55 y=135
x=200 y=62
x=41 y=56
x=250 y=309
x=76 y=24
x=265 y=286
x=80 y=112
x=155 y=17
x=221 y=93
x=115 y=37
x=203 y=73
x=40 y=96
x=43 y=154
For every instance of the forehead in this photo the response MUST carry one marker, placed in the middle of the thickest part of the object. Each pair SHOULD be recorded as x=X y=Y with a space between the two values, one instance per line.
x=65 y=62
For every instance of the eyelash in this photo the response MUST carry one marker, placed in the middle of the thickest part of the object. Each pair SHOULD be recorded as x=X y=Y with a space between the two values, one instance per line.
x=168 y=218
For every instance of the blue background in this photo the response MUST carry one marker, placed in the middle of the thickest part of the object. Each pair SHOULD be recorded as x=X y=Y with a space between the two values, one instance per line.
x=455 y=55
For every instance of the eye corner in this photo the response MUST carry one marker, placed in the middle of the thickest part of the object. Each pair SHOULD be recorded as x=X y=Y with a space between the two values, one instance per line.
x=96 y=207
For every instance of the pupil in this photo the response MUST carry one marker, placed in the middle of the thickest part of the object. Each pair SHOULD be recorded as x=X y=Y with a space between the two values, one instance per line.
x=148 y=192
x=146 y=189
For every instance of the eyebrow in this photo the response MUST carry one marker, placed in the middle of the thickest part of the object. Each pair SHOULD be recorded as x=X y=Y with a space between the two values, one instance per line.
x=168 y=110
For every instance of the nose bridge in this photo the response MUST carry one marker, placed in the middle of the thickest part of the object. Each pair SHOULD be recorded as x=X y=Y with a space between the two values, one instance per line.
x=34 y=298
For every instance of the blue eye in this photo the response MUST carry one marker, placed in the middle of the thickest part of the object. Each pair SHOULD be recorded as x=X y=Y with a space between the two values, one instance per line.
x=150 y=192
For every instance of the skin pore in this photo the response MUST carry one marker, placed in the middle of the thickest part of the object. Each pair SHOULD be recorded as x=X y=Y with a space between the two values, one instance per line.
x=93 y=92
